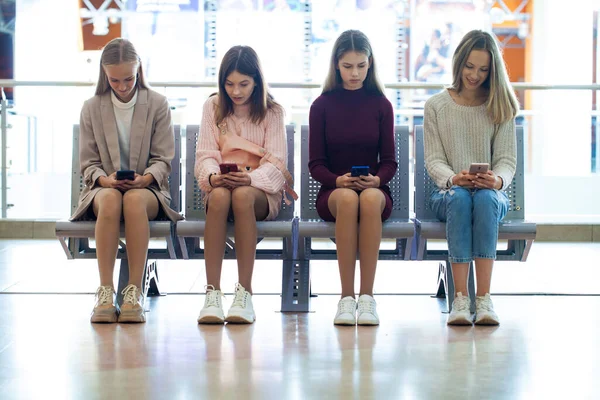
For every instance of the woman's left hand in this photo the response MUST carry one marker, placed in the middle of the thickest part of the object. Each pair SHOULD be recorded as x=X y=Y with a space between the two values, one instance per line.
x=368 y=181
x=236 y=179
x=139 y=182
x=489 y=180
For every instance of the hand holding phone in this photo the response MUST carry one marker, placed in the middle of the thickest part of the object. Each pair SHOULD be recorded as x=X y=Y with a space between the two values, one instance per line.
x=359 y=170
x=125 y=174
x=479 y=168
x=228 y=167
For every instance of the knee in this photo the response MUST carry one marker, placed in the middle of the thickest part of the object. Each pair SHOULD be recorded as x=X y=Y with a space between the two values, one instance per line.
x=242 y=199
x=371 y=201
x=459 y=197
x=110 y=205
x=347 y=201
x=133 y=201
x=220 y=201
x=485 y=199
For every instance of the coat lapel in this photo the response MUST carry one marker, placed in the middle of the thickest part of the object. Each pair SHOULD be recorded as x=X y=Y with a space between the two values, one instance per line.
x=138 y=128
x=109 y=125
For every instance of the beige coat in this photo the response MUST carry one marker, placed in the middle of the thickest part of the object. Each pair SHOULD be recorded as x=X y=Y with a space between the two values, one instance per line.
x=151 y=148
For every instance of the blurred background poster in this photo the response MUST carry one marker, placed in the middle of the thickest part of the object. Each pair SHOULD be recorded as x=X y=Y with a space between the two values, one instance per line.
x=437 y=26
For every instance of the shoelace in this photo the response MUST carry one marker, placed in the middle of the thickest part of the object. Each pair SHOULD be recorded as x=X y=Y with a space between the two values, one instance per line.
x=462 y=304
x=485 y=304
x=240 y=296
x=104 y=295
x=212 y=296
x=347 y=306
x=366 y=306
x=130 y=294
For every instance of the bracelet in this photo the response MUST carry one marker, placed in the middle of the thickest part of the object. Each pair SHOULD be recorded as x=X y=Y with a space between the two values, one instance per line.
x=210 y=176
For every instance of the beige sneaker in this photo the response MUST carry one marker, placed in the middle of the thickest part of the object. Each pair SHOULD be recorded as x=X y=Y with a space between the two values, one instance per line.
x=366 y=311
x=461 y=311
x=485 y=314
x=132 y=309
x=105 y=309
x=346 y=313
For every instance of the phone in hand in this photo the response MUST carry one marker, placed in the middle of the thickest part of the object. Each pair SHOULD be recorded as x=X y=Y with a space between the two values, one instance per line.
x=479 y=168
x=228 y=167
x=125 y=175
x=359 y=170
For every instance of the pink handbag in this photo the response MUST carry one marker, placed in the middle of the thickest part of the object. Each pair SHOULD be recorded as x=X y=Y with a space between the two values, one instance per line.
x=248 y=157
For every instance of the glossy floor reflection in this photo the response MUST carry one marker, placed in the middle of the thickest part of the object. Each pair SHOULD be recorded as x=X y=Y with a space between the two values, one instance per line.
x=546 y=347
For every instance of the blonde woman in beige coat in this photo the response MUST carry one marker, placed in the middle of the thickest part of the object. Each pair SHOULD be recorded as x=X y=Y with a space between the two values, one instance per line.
x=125 y=126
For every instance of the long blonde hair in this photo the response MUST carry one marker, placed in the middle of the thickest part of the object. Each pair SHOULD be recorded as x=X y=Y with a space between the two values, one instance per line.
x=352 y=40
x=502 y=104
x=119 y=51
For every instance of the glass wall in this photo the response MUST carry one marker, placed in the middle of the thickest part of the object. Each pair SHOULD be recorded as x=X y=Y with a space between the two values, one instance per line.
x=413 y=40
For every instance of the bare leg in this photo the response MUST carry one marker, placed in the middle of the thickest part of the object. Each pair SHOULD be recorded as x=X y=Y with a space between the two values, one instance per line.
x=483 y=268
x=343 y=204
x=219 y=205
x=460 y=273
x=372 y=203
x=139 y=206
x=107 y=206
x=249 y=205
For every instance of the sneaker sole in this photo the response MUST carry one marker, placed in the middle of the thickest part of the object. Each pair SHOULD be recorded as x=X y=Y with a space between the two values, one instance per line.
x=104 y=318
x=344 y=322
x=487 y=321
x=211 y=319
x=236 y=319
x=132 y=317
x=461 y=322
x=368 y=323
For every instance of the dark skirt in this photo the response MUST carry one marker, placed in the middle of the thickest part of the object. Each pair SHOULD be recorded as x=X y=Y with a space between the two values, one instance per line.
x=323 y=207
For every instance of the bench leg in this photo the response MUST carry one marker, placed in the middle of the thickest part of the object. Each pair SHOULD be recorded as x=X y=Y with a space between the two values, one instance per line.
x=295 y=296
x=151 y=283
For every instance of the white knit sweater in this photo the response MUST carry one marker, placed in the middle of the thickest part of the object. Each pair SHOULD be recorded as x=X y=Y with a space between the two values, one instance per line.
x=456 y=136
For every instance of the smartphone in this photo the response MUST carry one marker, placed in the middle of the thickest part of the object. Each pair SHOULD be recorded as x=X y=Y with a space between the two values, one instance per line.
x=479 y=168
x=125 y=175
x=359 y=170
x=228 y=167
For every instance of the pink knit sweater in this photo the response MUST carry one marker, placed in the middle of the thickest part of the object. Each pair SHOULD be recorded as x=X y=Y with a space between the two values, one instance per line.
x=270 y=134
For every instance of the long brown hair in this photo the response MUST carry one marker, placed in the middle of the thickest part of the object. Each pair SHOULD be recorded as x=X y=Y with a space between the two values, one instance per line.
x=352 y=40
x=119 y=51
x=502 y=104
x=244 y=60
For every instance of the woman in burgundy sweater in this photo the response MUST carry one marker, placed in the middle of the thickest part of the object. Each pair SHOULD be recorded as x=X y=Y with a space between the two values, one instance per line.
x=352 y=124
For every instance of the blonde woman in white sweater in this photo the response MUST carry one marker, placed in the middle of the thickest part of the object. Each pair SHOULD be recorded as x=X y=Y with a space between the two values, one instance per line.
x=472 y=122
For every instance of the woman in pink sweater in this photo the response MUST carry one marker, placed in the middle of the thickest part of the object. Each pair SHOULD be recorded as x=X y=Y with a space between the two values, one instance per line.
x=242 y=117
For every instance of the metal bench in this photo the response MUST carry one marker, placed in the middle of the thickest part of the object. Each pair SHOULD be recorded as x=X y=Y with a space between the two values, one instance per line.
x=192 y=228
x=519 y=233
x=398 y=227
x=74 y=236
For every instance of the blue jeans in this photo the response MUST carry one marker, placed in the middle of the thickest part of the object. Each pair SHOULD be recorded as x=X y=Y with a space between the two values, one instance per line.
x=472 y=217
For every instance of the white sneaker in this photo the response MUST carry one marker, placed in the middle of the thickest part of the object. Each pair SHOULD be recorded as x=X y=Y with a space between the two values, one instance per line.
x=485 y=314
x=132 y=309
x=241 y=311
x=346 y=313
x=461 y=311
x=105 y=309
x=367 y=311
x=212 y=312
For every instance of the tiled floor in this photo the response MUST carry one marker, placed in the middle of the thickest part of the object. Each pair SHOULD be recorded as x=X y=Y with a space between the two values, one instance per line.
x=546 y=346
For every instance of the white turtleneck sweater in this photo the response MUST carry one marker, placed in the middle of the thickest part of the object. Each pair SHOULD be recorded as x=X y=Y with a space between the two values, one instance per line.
x=124 y=116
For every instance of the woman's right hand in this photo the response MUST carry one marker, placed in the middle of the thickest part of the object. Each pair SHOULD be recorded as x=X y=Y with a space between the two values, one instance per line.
x=464 y=179
x=110 y=182
x=216 y=180
x=346 y=181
